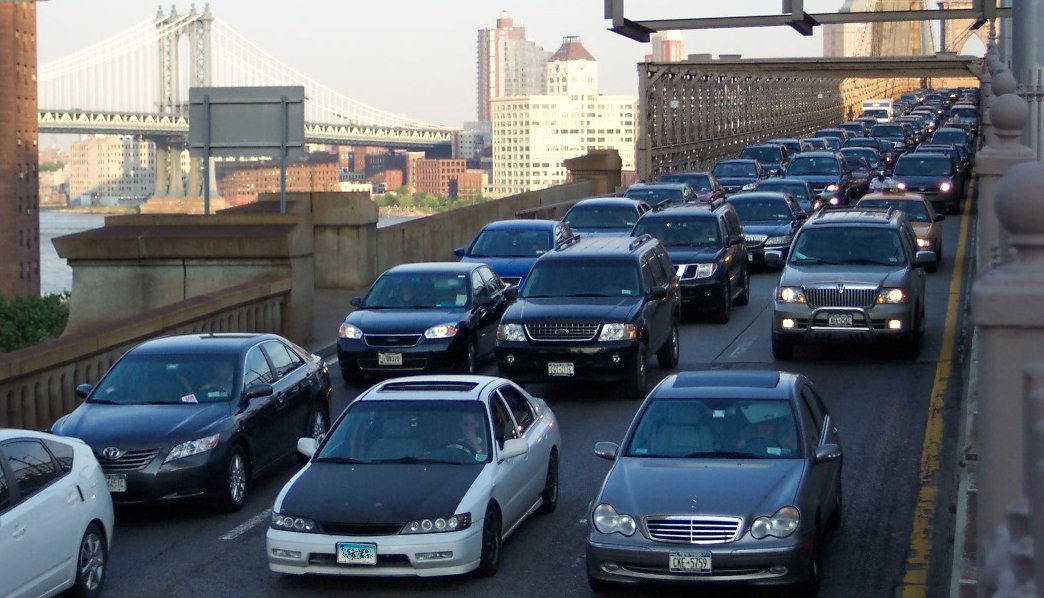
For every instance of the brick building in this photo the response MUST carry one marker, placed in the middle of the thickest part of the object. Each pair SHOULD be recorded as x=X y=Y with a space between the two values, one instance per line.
x=240 y=182
x=448 y=178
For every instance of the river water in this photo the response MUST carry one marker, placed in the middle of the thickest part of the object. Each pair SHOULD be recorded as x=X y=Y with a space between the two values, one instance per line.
x=55 y=273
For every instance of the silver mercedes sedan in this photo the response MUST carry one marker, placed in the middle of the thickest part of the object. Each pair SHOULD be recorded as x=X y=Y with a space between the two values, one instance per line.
x=724 y=477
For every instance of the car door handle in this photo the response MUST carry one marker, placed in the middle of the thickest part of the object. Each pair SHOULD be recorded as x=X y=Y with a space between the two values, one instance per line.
x=72 y=496
x=18 y=532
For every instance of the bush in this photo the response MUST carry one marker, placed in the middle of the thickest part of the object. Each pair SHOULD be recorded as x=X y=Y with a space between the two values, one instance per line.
x=25 y=321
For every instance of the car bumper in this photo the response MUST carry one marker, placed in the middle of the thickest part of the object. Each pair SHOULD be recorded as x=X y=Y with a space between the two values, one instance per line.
x=756 y=255
x=812 y=325
x=701 y=294
x=429 y=355
x=397 y=556
x=779 y=564
x=523 y=362
x=186 y=478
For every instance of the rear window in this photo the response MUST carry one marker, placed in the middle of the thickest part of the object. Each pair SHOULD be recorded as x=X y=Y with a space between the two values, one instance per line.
x=601 y=217
x=735 y=169
x=923 y=166
x=699 y=182
x=886 y=131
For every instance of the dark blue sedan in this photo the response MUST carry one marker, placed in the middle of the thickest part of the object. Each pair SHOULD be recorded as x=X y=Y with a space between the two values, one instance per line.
x=770 y=221
x=511 y=247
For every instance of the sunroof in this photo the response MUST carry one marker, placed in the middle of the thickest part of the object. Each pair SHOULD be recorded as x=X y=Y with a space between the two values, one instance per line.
x=434 y=385
x=747 y=378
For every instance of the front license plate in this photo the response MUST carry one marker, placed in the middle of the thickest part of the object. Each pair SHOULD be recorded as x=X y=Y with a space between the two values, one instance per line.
x=560 y=368
x=116 y=482
x=844 y=320
x=389 y=359
x=690 y=561
x=356 y=554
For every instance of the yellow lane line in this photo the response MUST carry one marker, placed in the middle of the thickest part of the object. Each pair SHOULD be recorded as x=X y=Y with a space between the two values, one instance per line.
x=920 y=549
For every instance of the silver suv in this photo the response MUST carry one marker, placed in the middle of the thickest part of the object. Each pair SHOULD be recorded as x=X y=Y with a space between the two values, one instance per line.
x=853 y=276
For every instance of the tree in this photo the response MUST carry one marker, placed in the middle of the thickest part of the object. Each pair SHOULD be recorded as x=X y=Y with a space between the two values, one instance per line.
x=25 y=321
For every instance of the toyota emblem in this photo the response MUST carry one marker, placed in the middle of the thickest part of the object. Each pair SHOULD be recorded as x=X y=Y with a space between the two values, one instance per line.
x=112 y=453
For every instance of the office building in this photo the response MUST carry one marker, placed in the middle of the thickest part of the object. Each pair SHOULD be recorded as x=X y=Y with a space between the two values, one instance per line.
x=109 y=170
x=508 y=64
x=241 y=182
x=667 y=46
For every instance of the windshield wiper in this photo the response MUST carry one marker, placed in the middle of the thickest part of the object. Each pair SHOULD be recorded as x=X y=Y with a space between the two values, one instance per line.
x=863 y=261
x=724 y=455
x=810 y=260
x=338 y=460
x=415 y=460
x=104 y=402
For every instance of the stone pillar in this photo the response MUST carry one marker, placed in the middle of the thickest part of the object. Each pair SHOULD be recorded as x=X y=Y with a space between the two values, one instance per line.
x=602 y=167
x=177 y=187
x=195 y=177
x=1009 y=113
x=1008 y=308
x=162 y=170
x=345 y=240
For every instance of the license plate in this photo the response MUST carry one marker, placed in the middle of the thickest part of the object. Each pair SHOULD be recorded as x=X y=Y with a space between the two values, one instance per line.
x=750 y=257
x=116 y=482
x=389 y=359
x=560 y=368
x=690 y=561
x=356 y=554
x=844 y=320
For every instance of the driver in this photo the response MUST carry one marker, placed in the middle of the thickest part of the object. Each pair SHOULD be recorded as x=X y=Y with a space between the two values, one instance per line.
x=769 y=433
x=470 y=436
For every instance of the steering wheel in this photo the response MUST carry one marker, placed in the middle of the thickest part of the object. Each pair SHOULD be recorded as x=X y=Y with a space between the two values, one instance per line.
x=763 y=446
x=463 y=448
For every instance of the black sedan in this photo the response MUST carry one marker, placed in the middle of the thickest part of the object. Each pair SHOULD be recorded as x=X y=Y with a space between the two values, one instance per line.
x=200 y=415
x=424 y=317
x=723 y=477
x=738 y=175
x=770 y=221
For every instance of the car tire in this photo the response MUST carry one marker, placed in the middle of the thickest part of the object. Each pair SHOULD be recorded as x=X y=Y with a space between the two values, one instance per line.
x=721 y=316
x=492 y=542
x=811 y=585
x=469 y=363
x=549 y=497
x=91 y=559
x=910 y=347
x=236 y=481
x=354 y=378
x=744 y=297
x=931 y=268
x=782 y=350
x=667 y=356
x=634 y=385
x=317 y=427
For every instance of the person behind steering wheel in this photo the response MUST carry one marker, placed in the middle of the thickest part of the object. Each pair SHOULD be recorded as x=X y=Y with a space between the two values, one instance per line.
x=769 y=433
x=470 y=438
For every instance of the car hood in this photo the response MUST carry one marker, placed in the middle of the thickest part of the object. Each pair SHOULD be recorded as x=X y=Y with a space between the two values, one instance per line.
x=740 y=487
x=128 y=426
x=575 y=309
x=378 y=493
x=693 y=255
x=828 y=275
x=401 y=321
x=505 y=266
x=771 y=229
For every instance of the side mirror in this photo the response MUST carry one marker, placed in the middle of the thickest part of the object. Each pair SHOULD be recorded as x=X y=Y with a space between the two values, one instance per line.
x=658 y=293
x=511 y=293
x=257 y=391
x=514 y=448
x=356 y=302
x=774 y=258
x=924 y=258
x=828 y=452
x=83 y=390
x=606 y=450
x=939 y=217
x=306 y=446
x=459 y=252
x=734 y=239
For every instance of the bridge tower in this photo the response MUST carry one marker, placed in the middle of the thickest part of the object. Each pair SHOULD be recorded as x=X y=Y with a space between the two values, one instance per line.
x=955 y=32
x=906 y=38
x=196 y=28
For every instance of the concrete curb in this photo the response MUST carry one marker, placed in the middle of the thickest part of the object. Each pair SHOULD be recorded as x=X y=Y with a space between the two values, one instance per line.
x=964 y=570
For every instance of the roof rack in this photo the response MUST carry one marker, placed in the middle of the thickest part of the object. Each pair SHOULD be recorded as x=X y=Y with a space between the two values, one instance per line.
x=638 y=241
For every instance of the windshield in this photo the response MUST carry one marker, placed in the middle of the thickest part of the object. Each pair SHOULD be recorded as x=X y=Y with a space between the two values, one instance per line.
x=699 y=182
x=601 y=217
x=964 y=113
x=866 y=245
x=654 y=195
x=954 y=137
x=761 y=154
x=735 y=169
x=426 y=290
x=813 y=166
x=913 y=165
x=887 y=131
x=915 y=210
x=762 y=210
x=680 y=232
x=405 y=431
x=575 y=278
x=876 y=113
x=169 y=379
x=511 y=243
x=715 y=428
x=864 y=153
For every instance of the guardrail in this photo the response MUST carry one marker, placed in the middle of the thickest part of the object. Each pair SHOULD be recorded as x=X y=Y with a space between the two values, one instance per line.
x=38 y=384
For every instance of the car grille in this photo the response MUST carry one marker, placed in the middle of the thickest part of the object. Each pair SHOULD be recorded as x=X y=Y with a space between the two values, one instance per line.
x=562 y=331
x=841 y=296
x=360 y=529
x=693 y=530
x=392 y=340
x=129 y=461
x=755 y=240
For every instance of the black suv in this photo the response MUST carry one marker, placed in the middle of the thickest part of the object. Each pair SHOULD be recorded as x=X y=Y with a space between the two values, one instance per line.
x=593 y=309
x=707 y=248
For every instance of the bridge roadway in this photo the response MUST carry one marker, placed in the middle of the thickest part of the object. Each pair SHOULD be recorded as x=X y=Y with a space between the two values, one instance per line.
x=881 y=405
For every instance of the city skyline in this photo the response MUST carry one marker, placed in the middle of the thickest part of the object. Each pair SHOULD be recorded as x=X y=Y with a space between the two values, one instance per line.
x=431 y=74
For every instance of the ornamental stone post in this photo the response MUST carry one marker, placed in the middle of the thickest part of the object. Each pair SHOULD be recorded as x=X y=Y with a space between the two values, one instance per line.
x=1007 y=305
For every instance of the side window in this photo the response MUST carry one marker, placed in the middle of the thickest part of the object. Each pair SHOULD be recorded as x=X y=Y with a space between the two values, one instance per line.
x=520 y=408
x=814 y=414
x=256 y=369
x=5 y=491
x=63 y=453
x=656 y=267
x=665 y=262
x=503 y=425
x=648 y=280
x=478 y=287
x=283 y=360
x=491 y=280
x=31 y=465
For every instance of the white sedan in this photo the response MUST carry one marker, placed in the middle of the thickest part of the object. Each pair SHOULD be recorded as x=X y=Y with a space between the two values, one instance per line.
x=420 y=476
x=56 y=516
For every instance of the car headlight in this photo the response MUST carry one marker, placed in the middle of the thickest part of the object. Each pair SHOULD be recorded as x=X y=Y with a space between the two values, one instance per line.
x=900 y=186
x=749 y=187
x=438 y=525
x=511 y=332
x=291 y=523
x=618 y=332
x=193 y=447
x=945 y=186
x=441 y=331
x=832 y=187
x=791 y=295
x=608 y=521
x=705 y=270
x=834 y=201
x=784 y=240
x=349 y=331
x=895 y=295
x=922 y=242
x=783 y=523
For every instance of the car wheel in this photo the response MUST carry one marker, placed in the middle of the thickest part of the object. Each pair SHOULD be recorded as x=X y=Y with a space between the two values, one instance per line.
x=234 y=489
x=549 y=497
x=667 y=356
x=910 y=348
x=782 y=350
x=721 y=316
x=811 y=585
x=634 y=386
x=469 y=364
x=318 y=425
x=351 y=377
x=489 y=562
x=90 y=563
x=744 y=297
x=930 y=268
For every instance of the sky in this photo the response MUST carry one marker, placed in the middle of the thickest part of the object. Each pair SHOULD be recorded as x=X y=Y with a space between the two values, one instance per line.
x=418 y=57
